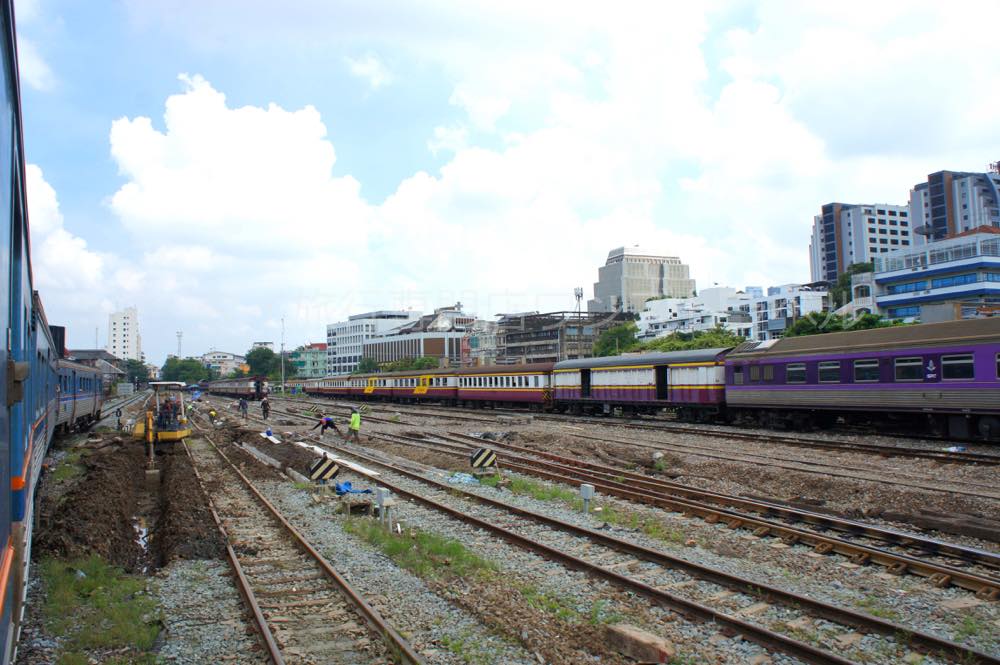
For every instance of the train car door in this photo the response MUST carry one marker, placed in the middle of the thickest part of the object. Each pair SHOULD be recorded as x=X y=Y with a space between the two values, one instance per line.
x=422 y=384
x=662 y=382
x=584 y=383
x=370 y=386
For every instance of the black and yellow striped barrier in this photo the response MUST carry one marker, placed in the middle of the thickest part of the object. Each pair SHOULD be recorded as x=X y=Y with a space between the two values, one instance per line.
x=482 y=458
x=324 y=469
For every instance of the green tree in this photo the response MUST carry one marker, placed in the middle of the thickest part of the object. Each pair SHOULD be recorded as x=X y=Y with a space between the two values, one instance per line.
x=410 y=364
x=717 y=338
x=237 y=373
x=136 y=370
x=188 y=370
x=616 y=339
x=367 y=366
x=261 y=361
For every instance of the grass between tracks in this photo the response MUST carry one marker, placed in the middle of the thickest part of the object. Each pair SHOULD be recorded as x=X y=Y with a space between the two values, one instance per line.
x=93 y=608
x=422 y=553
x=628 y=519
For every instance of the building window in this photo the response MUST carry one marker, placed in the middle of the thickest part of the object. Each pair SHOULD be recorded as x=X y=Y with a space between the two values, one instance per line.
x=908 y=287
x=956 y=280
x=795 y=373
x=866 y=370
x=829 y=371
x=909 y=369
x=957 y=367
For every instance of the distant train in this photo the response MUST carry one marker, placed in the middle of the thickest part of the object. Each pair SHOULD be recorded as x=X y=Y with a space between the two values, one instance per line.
x=250 y=387
x=941 y=377
x=40 y=392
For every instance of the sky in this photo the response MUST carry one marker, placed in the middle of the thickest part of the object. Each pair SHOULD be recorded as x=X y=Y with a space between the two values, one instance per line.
x=226 y=165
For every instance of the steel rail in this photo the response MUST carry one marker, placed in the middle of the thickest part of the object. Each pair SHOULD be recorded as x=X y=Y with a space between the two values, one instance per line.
x=760 y=506
x=397 y=643
x=274 y=652
x=985 y=587
x=687 y=607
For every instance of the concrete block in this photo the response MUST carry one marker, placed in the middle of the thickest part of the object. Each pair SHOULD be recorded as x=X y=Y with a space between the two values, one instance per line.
x=961 y=603
x=638 y=644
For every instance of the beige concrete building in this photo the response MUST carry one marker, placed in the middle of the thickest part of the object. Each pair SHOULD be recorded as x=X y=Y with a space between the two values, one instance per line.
x=633 y=275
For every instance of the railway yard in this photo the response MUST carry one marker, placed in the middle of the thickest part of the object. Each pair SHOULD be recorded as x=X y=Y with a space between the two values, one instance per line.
x=702 y=544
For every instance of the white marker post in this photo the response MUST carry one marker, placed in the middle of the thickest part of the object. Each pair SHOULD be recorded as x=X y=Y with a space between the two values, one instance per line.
x=587 y=492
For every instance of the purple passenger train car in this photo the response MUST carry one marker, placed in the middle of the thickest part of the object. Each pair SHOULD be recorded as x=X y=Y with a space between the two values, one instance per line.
x=939 y=376
x=692 y=383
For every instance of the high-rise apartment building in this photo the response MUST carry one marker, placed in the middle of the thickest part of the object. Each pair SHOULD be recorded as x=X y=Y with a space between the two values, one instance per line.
x=345 y=340
x=124 y=340
x=633 y=275
x=847 y=233
x=951 y=202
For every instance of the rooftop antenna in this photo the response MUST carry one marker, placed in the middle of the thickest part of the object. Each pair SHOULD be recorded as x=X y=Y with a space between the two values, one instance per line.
x=180 y=335
x=578 y=294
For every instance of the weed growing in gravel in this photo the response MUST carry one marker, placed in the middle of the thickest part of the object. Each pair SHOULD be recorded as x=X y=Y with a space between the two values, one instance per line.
x=540 y=491
x=69 y=466
x=490 y=481
x=600 y=615
x=421 y=552
x=92 y=605
x=465 y=647
x=549 y=603
x=874 y=606
x=303 y=486
x=970 y=627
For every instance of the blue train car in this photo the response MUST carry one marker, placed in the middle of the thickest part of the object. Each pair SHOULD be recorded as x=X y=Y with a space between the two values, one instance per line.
x=943 y=376
x=28 y=377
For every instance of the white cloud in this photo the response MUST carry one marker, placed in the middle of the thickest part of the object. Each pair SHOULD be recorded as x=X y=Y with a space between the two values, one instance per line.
x=371 y=69
x=63 y=267
x=33 y=68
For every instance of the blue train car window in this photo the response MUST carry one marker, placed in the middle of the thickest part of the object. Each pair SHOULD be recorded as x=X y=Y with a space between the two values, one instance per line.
x=957 y=367
x=829 y=371
x=795 y=373
x=909 y=369
x=866 y=370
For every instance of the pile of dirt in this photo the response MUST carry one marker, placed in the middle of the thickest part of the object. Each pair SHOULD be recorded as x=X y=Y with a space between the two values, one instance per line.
x=97 y=515
x=186 y=529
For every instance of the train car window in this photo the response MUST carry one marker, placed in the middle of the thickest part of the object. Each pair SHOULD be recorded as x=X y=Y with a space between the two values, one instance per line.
x=738 y=376
x=866 y=370
x=829 y=371
x=755 y=373
x=769 y=372
x=957 y=367
x=998 y=365
x=795 y=373
x=909 y=369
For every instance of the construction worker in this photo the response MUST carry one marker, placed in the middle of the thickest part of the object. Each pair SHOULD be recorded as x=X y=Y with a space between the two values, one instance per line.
x=243 y=407
x=355 y=426
x=265 y=408
x=325 y=423
x=212 y=414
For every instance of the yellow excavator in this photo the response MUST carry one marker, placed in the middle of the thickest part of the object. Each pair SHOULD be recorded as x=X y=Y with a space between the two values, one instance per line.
x=166 y=421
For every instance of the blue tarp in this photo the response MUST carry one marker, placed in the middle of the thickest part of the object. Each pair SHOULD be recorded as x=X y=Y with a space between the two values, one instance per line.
x=346 y=488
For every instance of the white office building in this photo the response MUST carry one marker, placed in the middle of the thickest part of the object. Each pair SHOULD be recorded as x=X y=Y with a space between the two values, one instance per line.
x=713 y=307
x=953 y=202
x=845 y=233
x=633 y=275
x=783 y=306
x=124 y=340
x=223 y=362
x=345 y=340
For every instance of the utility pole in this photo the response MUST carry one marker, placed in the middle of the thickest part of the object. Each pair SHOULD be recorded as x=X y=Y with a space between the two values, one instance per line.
x=282 y=355
x=96 y=330
x=180 y=335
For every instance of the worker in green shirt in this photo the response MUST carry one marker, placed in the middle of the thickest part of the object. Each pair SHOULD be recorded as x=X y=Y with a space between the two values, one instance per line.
x=355 y=426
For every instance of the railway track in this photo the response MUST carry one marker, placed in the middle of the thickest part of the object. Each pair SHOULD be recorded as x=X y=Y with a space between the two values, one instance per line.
x=821 y=443
x=304 y=610
x=760 y=517
x=763 y=518
x=760 y=613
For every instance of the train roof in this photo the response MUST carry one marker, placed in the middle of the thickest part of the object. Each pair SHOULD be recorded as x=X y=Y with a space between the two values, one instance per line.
x=656 y=358
x=525 y=368
x=923 y=334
